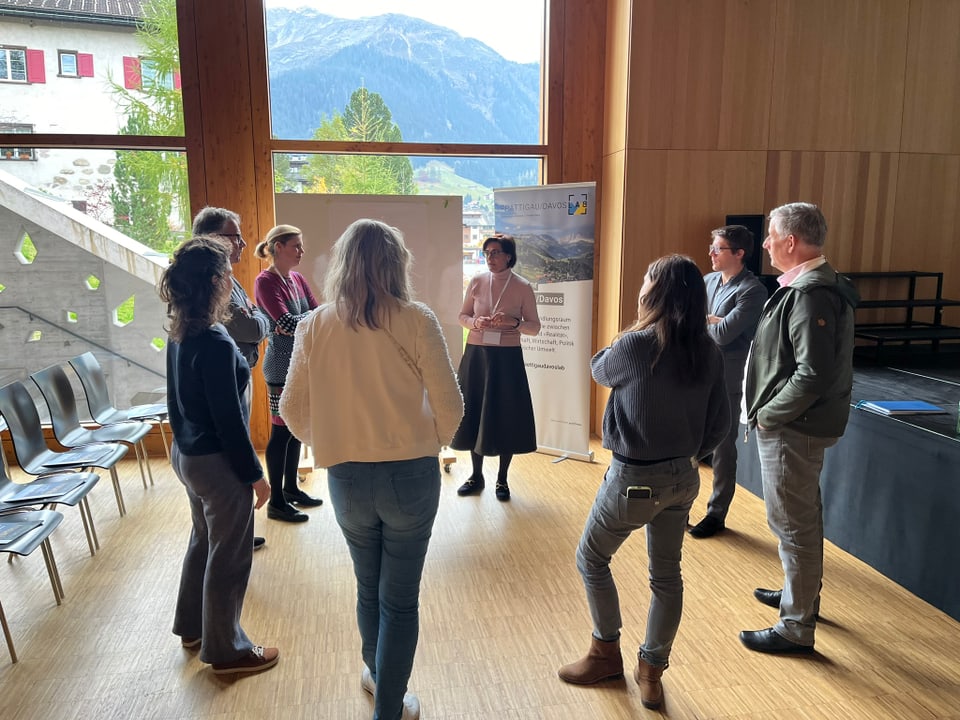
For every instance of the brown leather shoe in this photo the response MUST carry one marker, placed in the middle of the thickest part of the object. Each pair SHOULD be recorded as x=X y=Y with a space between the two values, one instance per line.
x=602 y=662
x=257 y=659
x=648 y=678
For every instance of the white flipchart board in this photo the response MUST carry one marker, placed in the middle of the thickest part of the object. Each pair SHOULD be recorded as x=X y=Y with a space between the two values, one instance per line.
x=432 y=227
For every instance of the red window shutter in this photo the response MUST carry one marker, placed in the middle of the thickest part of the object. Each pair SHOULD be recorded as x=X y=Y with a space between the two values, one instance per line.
x=36 y=72
x=177 y=84
x=85 y=64
x=131 y=73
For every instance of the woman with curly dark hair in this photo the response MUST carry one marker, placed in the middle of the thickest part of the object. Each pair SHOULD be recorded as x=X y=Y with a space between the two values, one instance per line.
x=213 y=457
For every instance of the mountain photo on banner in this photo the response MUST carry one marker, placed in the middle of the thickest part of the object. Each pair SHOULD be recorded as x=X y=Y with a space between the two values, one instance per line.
x=439 y=87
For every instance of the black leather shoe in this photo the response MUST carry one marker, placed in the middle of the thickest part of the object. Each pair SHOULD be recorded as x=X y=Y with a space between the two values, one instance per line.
x=768 y=597
x=708 y=527
x=503 y=491
x=258 y=542
x=299 y=497
x=288 y=513
x=770 y=641
x=472 y=486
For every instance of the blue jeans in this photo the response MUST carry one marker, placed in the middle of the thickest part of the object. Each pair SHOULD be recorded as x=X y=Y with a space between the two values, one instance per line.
x=790 y=464
x=386 y=512
x=670 y=488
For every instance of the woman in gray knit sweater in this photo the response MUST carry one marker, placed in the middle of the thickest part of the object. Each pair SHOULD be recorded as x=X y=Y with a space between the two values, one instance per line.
x=667 y=409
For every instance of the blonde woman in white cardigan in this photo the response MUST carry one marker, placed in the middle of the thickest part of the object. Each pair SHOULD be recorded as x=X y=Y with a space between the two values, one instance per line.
x=372 y=390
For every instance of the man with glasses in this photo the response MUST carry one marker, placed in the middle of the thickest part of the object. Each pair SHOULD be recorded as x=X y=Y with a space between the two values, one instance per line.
x=248 y=325
x=735 y=299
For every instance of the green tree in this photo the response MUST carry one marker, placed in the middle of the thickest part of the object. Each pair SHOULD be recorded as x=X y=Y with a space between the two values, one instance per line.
x=150 y=188
x=366 y=118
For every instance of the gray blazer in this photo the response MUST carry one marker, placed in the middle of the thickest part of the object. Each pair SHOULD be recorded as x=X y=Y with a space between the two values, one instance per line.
x=740 y=303
x=248 y=325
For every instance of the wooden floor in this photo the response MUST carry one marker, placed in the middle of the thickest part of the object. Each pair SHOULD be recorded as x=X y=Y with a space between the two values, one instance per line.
x=502 y=609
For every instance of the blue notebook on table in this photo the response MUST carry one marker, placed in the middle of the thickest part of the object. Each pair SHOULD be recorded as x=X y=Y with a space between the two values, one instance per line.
x=900 y=407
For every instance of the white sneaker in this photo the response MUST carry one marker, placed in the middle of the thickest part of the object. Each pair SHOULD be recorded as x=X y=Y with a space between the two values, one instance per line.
x=367 y=682
x=411 y=703
x=411 y=707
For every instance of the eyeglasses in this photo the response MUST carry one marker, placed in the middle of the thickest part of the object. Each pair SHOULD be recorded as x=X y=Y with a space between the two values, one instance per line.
x=716 y=249
x=493 y=253
x=235 y=237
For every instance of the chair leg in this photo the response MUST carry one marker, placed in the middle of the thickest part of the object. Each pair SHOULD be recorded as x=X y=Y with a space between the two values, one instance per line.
x=52 y=570
x=166 y=443
x=85 y=515
x=146 y=458
x=121 y=505
x=7 y=635
x=143 y=476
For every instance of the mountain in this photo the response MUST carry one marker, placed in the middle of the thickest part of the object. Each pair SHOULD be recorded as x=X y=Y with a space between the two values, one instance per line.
x=439 y=86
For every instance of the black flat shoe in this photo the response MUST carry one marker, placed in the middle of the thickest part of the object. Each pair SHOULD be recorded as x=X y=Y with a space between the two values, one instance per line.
x=708 y=527
x=287 y=513
x=770 y=641
x=258 y=542
x=768 y=597
x=503 y=491
x=299 y=497
x=472 y=486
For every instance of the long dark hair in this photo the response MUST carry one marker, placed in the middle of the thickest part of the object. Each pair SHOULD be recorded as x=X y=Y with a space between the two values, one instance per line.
x=195 y=301
x=675 y=306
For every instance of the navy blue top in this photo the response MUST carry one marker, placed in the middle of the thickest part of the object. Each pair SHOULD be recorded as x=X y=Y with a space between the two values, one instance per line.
x=207 y=378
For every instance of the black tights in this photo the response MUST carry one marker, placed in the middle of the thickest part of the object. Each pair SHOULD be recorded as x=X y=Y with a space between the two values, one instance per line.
x=283 y=459
x=477 y=461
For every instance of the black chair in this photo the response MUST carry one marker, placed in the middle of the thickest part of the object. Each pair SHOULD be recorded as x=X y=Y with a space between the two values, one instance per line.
x=48 y=491
x=26 y=531
x=33 y=455
x=98 y=398
x=58 y=393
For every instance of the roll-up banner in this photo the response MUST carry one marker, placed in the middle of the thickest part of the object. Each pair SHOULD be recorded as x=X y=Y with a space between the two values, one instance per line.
x=554 y=228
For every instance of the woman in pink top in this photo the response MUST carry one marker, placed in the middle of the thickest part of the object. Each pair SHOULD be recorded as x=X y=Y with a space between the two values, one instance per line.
x=498 y=307
x=286 y=298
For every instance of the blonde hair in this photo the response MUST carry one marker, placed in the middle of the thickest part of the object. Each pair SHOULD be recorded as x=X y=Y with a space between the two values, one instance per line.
x=267 y=248
x=369 y=274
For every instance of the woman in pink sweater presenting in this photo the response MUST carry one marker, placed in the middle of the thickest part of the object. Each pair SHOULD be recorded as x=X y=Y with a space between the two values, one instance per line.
x=498 y=308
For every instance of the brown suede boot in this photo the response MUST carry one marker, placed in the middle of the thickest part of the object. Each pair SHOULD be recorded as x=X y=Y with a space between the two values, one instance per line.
x=648 y=678
x=602 y=662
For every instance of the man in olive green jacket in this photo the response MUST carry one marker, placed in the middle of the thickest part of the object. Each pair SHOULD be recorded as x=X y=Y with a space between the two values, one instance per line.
x=799 y=378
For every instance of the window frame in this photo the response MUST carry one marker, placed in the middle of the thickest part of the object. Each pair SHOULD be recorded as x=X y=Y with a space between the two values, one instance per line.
x=61 y=72
x=16 y=153
x=7 y=50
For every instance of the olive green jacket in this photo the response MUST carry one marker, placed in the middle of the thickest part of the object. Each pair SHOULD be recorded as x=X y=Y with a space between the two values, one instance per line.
x=800 y=370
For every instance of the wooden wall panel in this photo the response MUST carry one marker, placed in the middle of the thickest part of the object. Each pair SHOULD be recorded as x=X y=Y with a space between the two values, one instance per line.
x=675 y=198
x=927 y=222
x=616 y=75
x=931 y=112
x=838 y=79
x=700 y=74
x=219 y=106
x=856 y=192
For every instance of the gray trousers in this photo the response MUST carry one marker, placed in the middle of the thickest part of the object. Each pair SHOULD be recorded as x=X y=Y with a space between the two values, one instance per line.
x=668 y=490
x=790 y=464
x=724 y=464
x=216 y=567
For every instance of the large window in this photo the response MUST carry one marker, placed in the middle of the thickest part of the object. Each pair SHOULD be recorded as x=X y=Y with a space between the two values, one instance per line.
x=13 y=64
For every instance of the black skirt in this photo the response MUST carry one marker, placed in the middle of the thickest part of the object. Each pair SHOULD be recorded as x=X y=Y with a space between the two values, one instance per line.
x=498 y=412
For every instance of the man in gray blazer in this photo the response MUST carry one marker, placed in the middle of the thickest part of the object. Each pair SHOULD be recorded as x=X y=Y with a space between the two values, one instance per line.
x=735 y=299
x=248 y=325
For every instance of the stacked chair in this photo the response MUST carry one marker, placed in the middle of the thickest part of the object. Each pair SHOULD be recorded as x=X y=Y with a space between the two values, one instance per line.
x=33 y=455
x=102 y=409
x=22 y=532
x=55 y=387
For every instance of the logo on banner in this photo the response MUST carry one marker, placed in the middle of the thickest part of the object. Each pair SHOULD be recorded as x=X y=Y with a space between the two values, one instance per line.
x=577 y=207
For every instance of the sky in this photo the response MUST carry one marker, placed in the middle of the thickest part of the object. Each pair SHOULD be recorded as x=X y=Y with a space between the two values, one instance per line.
x=511 y=27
